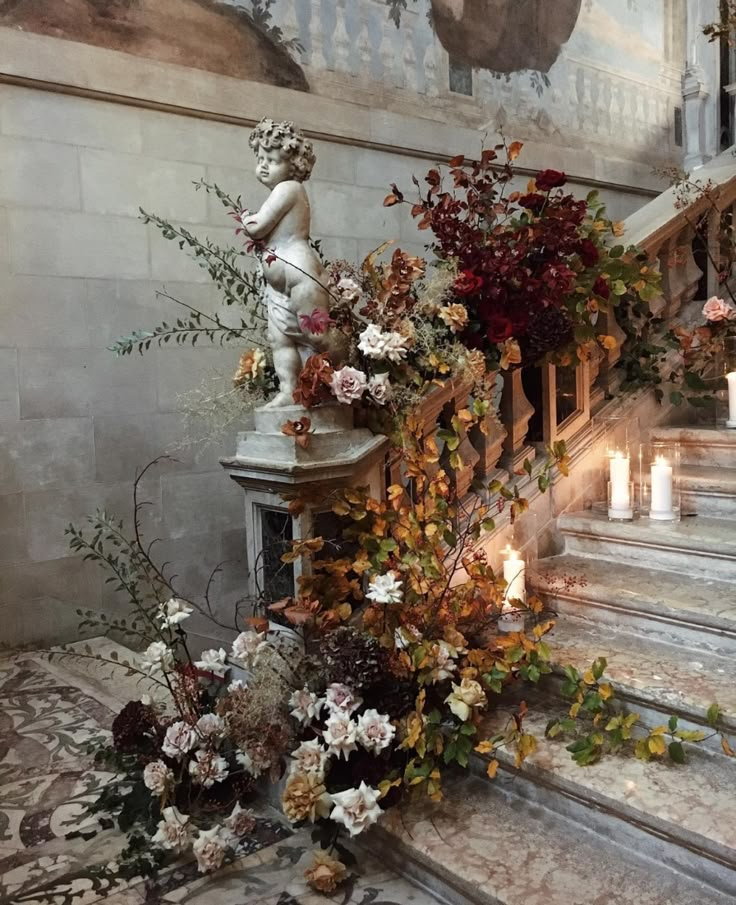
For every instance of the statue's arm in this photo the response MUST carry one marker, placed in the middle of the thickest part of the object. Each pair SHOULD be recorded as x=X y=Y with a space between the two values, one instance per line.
x=276 y=206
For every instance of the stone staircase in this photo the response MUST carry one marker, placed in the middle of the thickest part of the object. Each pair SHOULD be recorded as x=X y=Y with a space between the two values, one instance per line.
x=659 y=602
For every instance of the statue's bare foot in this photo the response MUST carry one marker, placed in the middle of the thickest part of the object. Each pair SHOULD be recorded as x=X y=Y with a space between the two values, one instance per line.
x=280 y=400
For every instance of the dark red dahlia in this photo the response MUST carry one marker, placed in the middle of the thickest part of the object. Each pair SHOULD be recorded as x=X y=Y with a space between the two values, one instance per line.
x=533 y=202
x=550 y=179
x=601 y=288
x=467 y=283
x=589 y=254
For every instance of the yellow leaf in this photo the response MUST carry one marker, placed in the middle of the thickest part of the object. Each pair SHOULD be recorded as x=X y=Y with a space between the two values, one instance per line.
x=727 y=749
x=484 y=747
x=575 y=710
x=492 y=769
x=605 y=691
x=588 y=677
x=660 y=730
x=395 y=491
x=657 y=744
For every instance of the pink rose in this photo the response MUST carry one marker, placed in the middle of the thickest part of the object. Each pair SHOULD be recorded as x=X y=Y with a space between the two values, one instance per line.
x=348 y=384
x=715 y=310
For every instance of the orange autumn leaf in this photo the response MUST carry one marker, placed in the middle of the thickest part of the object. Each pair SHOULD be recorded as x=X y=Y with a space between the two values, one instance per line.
x=515 y=149
x=299 y=430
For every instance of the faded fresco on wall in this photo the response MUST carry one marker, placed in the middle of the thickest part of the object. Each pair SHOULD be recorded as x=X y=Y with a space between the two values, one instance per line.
x=502 y=35
x=220 y=37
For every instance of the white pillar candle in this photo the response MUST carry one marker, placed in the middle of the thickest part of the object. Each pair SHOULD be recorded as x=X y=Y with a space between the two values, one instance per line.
x=731 y=378
x=514 y=572
x=661 y=480
x=619 y=466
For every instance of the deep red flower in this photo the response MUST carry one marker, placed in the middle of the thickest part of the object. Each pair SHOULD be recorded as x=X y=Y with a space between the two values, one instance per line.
x=588 y=252
x=533 y=202
x=601 y=288
x=550 y=179
x=467 y=283
x=499 y=327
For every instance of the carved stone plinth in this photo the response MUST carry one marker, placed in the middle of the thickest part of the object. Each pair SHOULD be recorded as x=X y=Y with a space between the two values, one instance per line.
x=274 y=470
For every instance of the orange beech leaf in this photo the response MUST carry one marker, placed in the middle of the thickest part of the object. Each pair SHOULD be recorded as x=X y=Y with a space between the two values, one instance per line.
x=390 y=200
x=492 y=769
x=299 y=430
x=515 y=149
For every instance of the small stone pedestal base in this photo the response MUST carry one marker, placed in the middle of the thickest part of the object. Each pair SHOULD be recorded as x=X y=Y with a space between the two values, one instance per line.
x=273 y=468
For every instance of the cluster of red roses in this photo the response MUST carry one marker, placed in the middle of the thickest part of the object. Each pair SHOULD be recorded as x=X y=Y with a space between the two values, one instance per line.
x=525 y=260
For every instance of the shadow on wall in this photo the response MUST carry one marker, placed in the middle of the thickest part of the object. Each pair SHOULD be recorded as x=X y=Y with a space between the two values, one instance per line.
x=505 y=35
x=205 y=34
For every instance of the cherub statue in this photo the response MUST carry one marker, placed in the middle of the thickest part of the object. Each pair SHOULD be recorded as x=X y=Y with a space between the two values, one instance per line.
x=295 y=278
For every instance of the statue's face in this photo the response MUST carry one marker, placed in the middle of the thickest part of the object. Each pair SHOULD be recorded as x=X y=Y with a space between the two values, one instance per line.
x=272 y=167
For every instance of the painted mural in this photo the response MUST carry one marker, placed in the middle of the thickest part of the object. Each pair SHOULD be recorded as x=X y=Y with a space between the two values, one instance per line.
x=502 y=35
x=220 y=37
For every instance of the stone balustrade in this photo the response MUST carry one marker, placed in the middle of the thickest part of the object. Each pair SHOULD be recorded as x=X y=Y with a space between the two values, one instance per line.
x=667 y=233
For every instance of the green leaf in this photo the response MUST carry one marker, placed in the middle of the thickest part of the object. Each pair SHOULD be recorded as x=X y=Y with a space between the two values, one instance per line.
x=672 y=724
x=616 y=251
x=713 y=715
x=695 y=381
x=676 y=397
x=677 y=752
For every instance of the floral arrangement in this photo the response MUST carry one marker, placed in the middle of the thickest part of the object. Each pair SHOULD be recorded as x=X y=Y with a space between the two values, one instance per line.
x=515 y=278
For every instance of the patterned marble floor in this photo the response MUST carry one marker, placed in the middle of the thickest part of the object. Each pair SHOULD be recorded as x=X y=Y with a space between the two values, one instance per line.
x=52 y=853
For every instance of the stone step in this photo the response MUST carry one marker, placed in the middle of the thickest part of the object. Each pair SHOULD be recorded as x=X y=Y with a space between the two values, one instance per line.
x=653 y=678
x=486 y=845
x=709 y=491
x=694 y=613
x=704 y=547
x=701 y=445
x=681 y=816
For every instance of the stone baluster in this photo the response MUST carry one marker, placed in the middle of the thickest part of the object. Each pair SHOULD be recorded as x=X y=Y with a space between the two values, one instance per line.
x=469 y=455
x=386 y=51
x=410 y=61
x=364 y=49
x=516 y=410
x=714 y=252
x=341 y=39
x=431 y=86
x=317 y=58
x=488 y=442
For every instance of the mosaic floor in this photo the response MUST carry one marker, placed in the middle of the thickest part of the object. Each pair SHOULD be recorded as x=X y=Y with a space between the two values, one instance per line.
x=52 y=853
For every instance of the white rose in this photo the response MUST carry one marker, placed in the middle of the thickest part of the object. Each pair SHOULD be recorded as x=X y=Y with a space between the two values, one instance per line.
x=375 y=731
x=305 y=705
x=173 y=831
x=342 y=699
x=310 y=757
x=175 y=611
x=209 y=849
x=441 y=656
x=340 y=734
x=237 y=685
x=465 y=697
x=716 y=310
x=208 y=768
x=348 y=385
x=214 y=661
x=240 y=822
x=376 y=344
x=356 y=809
x=156 y=776
x=179 y=740
x=247 y=646
x=385 y=589
x=157 y=658
x=210 y=726
x=246 y=762
x=379 y=389
x=349 y=290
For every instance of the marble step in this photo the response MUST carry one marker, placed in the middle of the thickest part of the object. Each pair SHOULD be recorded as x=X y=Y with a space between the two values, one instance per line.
x=680 y=816
x=702 y=445
x=653 y=678
x=695 y=613
x=700 y=547
x=486 y=845
x=709 y=491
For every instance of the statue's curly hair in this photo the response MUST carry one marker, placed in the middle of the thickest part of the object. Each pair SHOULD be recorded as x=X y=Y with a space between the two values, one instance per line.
x=287 y=138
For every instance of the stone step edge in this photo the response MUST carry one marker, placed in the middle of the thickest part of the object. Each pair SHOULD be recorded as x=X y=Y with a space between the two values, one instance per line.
x=416 y=865
x=687 y=619
x=579 y=531
x=594 y=800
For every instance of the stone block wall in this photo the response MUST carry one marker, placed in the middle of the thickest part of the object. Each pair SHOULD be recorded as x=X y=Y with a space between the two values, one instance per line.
x=78 y=269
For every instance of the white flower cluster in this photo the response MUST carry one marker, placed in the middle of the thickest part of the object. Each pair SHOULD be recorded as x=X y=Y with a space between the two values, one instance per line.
x=382 y=345
x=175 y=833
x=385 y=589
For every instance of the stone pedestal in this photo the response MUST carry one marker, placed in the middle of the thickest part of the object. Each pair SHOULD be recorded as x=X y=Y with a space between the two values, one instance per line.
x=274 y=471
